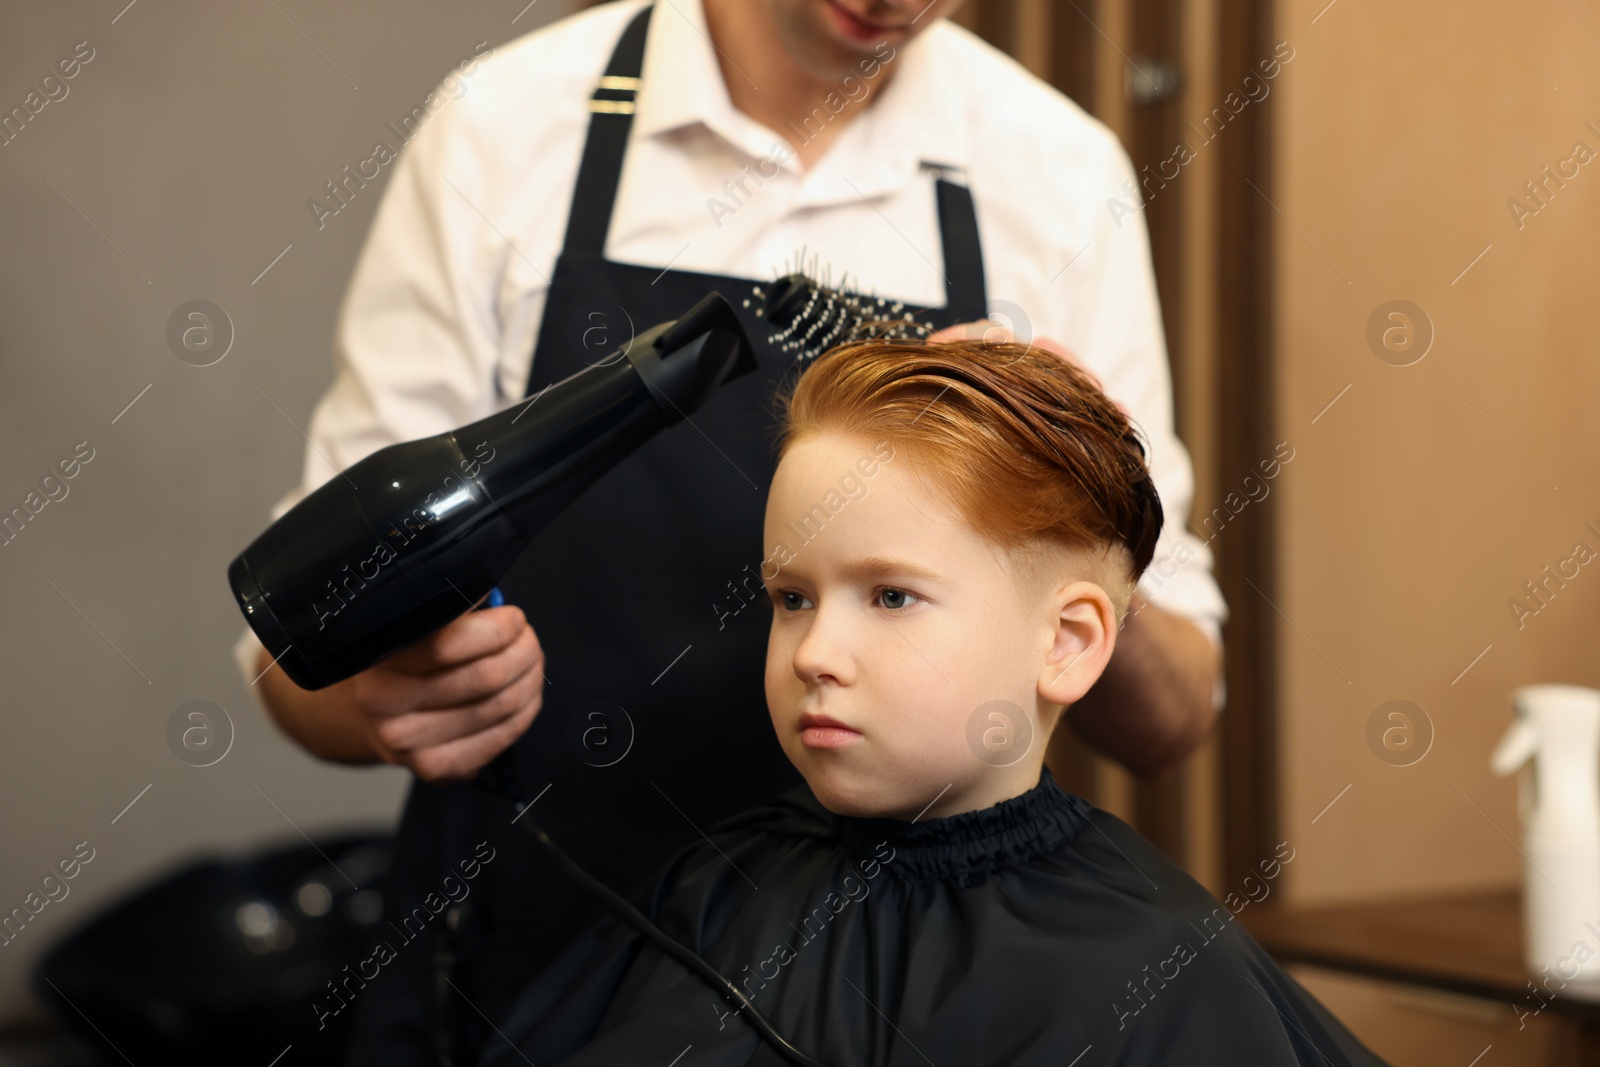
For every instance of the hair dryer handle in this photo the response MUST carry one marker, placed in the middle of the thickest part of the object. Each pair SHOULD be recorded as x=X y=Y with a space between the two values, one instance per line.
x=499 y=775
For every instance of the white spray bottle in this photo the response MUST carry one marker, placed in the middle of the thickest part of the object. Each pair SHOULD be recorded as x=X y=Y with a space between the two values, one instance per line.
x=1554 y=741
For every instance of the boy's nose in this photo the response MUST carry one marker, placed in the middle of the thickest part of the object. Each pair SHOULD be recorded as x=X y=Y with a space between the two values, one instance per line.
x=825 y=650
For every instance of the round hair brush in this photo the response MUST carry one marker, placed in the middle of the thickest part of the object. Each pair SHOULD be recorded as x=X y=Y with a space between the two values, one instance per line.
x=809 y=316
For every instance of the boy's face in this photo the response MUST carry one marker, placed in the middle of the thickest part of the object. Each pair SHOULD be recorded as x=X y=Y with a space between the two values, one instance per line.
x=907 y=662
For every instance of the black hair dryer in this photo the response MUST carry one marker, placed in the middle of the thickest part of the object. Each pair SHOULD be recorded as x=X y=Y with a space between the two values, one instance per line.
x=415 y=534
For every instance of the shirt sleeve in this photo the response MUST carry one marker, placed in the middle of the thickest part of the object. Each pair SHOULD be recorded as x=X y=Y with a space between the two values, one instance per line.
x=1124 y=343
x=417 y=339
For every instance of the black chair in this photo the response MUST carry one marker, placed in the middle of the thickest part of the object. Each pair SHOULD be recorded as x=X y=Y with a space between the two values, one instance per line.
x=221 y=961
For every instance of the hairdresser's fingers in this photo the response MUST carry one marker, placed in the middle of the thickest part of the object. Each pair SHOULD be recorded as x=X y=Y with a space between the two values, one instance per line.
x=484 y=677
x=469 y=636
x=411 y=738
x=1055 y=347
x=981 y=330
x=460 y=684
x=991 y=332
x=464 y=757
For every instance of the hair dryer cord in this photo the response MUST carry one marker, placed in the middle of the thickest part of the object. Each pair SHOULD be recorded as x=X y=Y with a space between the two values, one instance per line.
x=676 y=949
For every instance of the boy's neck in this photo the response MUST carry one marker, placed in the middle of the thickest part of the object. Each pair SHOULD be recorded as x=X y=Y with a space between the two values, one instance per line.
x=986 y=792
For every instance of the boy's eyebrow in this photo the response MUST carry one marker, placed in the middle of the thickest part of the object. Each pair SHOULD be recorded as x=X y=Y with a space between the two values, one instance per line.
x=880 y=565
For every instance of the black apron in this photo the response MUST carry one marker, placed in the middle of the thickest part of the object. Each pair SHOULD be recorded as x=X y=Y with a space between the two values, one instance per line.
x=645 y=598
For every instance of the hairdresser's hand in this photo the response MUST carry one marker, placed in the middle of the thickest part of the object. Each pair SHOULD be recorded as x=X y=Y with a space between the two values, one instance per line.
x=448 y=704
x=990 y=332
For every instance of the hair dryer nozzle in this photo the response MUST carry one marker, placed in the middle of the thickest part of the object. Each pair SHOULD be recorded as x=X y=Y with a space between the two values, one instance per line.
x=695 y=355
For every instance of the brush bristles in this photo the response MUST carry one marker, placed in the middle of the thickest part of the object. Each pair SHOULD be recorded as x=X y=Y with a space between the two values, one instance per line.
x=809 y=317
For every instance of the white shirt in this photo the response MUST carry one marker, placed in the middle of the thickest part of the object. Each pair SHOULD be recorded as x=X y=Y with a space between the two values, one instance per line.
x=438 y=324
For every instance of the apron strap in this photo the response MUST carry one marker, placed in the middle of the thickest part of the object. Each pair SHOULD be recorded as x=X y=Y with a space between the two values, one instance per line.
x=966 y=296
x=600 y=171
x=612 y=118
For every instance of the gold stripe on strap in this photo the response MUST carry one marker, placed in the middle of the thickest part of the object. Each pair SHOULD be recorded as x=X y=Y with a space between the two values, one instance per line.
x=615 y=81
x=611 y=107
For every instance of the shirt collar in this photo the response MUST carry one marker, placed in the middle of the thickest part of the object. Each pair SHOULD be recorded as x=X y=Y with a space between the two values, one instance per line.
x=922 y=112
x=683 y=86
x=681 y=82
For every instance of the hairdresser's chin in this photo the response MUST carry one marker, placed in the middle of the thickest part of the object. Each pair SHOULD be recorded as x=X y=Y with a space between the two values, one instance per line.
x=829 y=37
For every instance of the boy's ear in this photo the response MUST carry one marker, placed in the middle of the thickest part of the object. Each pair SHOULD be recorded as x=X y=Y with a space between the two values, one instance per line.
x=1083 y=637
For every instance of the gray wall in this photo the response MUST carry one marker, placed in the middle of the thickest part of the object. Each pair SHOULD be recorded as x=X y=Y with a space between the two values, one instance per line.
x=187 y=146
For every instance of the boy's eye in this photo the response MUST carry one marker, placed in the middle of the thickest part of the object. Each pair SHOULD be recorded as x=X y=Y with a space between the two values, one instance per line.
x=893 y=598
x=887 y=596
x=786 y=599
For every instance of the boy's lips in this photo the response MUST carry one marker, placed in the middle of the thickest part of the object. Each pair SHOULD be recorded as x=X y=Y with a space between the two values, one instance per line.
x=824 y=731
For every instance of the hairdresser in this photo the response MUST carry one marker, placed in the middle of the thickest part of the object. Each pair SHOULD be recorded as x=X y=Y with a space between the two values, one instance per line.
x=590 y=180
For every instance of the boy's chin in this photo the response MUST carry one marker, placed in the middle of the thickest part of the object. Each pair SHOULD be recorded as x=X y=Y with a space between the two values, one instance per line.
x=869 y=794
x=859 y=796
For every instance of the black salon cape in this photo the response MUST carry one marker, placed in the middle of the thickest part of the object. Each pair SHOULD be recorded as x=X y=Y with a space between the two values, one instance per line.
x=1040 y=931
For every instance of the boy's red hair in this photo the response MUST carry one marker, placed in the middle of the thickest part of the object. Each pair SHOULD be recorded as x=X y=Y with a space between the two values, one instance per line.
x=1024 y=444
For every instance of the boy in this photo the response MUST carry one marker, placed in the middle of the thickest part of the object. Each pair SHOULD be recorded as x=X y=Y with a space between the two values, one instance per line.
x=953 y=535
